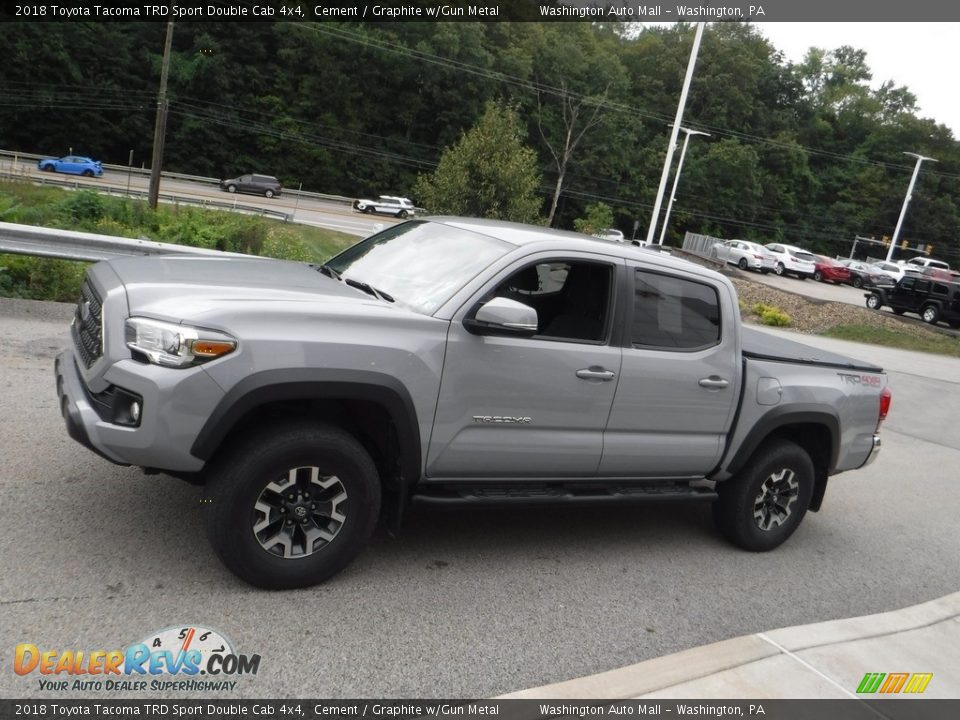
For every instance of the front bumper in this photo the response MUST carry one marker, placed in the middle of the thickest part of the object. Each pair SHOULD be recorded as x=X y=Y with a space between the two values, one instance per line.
x=76 y=406
x=176 y=404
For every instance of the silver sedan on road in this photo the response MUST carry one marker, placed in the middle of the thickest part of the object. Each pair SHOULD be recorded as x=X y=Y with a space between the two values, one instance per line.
x=745 y=254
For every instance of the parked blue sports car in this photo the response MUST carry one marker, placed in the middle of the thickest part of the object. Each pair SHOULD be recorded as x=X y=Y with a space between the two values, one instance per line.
x=73 y=164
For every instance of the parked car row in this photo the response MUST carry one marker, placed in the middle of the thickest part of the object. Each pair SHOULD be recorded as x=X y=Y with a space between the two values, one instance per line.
x=791 y=260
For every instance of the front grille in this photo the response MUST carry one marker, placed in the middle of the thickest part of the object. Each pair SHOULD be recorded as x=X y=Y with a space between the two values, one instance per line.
x=87 y=327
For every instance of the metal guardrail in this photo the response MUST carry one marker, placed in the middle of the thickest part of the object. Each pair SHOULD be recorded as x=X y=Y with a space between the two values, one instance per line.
x=72 y=245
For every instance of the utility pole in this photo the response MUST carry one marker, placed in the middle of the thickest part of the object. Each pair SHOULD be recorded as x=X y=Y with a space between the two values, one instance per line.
x=675 y=133
x=160 y=130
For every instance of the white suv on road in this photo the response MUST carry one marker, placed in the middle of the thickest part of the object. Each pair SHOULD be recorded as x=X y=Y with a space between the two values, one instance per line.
x=792 y=260
x=399 y=207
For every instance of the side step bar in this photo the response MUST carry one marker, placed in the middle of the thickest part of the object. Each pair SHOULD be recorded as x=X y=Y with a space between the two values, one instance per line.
x=563 y=495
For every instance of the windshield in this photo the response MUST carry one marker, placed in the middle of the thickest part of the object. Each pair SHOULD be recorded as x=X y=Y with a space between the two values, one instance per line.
x=420 y=264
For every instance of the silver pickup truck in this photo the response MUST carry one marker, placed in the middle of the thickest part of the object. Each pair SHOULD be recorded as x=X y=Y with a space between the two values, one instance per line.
x=453 y=360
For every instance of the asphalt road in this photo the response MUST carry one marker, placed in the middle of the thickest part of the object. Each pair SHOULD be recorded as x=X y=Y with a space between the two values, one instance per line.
x=308 y=211
x=466 y=603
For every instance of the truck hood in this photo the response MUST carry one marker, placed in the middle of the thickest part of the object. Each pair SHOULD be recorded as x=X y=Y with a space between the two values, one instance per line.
x=190 y=287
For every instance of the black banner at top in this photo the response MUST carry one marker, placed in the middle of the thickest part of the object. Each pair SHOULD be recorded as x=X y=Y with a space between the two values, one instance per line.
x=485 y=11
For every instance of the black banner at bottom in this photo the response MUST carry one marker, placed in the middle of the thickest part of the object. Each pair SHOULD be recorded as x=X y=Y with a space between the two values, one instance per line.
x=892 y=709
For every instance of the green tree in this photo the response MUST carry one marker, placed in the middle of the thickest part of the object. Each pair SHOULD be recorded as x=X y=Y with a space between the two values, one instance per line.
x=598 y=216
x=490 y=173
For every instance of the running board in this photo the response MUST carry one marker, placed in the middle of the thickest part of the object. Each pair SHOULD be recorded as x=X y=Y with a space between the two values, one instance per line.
x=582 y=495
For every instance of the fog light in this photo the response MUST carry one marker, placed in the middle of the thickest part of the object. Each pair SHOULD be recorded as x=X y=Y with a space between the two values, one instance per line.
x=135 y=412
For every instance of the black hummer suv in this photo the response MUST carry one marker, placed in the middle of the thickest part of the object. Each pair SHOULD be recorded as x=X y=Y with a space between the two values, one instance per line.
x=934 y=300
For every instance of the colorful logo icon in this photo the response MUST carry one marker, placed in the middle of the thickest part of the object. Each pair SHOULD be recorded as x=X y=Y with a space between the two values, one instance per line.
x=892 y=683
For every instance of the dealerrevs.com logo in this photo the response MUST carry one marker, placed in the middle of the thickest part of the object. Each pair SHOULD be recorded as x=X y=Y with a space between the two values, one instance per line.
x=184 y=658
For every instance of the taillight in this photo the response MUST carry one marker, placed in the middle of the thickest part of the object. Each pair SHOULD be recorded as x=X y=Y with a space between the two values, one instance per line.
x=885 y=398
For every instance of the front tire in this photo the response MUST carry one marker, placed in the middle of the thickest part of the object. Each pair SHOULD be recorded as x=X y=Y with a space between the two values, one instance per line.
x=818 y=276
x=231 y=188
x=873 y=301
x=402 y=214
x=763 y=505
x=291 y=507
x=268 y=194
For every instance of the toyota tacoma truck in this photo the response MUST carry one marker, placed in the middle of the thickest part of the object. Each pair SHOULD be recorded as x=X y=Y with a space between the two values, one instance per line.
x=453 y=361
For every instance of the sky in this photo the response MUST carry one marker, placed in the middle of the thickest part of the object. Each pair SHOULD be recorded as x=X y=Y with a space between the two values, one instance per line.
x=925 y=57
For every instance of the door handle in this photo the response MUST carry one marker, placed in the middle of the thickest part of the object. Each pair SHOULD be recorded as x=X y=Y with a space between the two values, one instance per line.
x=595 y=373
x=714 y=382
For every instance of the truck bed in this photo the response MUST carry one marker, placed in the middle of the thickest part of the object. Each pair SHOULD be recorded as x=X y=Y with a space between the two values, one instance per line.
x=760 y=345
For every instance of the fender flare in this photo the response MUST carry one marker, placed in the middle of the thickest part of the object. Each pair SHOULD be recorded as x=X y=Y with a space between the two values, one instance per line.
x=271 y=386
x=779 y=417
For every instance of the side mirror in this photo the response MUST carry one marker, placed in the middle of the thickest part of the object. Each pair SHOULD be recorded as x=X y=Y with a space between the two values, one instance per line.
x=503 y=316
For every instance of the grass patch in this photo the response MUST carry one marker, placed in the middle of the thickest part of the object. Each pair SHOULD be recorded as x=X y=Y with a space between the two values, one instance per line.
x=939 y=344
x=87 y=211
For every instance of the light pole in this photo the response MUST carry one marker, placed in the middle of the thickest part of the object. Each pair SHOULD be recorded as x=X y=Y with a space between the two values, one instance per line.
x=906 y=200
x=676 y=178
x=652 y=228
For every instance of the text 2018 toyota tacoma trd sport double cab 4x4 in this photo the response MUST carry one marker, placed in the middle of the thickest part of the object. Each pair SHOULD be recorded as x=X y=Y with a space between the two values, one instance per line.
x=453 y=360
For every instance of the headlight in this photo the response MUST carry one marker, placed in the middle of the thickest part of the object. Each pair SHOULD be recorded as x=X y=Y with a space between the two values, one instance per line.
x=174 y=345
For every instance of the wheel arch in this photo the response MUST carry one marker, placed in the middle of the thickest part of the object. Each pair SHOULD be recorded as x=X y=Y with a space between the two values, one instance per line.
x=817 y=431
x=375 y=408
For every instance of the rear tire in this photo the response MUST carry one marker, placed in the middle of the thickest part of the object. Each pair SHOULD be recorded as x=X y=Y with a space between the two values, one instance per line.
x=291 y=506
x=930 y=314
x=742 y=264
x=759 y=508
x=779 y=269
x=858 y=283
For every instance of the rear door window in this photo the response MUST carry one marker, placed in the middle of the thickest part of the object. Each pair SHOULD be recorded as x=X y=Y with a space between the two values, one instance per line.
x=672 y=313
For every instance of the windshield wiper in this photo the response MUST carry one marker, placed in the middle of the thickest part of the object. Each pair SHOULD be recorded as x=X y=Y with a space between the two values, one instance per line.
x=378 y=294
x=329 y=272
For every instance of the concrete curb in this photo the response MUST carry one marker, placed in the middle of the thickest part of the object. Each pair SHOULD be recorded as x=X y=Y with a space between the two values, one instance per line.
x=717 y=665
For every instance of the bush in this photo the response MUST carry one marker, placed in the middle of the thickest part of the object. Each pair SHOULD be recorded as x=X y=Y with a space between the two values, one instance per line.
x=40 y=278
x=84 y=205
x=771 y=315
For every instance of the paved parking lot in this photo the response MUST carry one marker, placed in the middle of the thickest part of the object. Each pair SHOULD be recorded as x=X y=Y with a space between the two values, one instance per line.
x=466 y=603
